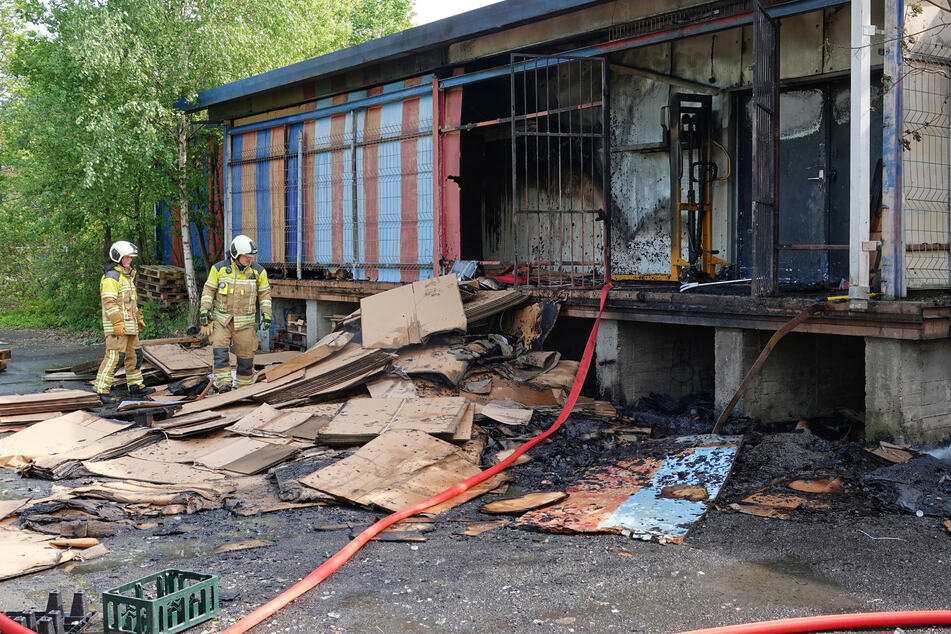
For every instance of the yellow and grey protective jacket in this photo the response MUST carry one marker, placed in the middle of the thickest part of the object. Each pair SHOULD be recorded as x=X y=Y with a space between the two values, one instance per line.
x=232 y=292
x=118 y=296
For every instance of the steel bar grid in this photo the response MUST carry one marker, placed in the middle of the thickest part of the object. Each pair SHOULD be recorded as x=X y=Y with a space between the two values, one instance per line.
x=559 y=170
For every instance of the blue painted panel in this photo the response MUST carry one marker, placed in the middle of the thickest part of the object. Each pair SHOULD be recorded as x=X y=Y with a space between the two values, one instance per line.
x=390 y=192
x=293 y=142
x=648 y=515
x=262 y=196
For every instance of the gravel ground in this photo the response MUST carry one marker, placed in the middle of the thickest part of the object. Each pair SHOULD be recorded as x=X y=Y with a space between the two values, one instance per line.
x=732 y=568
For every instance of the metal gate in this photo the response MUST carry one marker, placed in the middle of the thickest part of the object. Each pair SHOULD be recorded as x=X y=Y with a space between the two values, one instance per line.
x=560 y=171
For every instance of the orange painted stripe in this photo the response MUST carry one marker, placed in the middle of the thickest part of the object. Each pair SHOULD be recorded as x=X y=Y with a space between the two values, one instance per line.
x=249 y=217
x=371 y=186
x=309 y=203
x=338 y=128
x=409 y=196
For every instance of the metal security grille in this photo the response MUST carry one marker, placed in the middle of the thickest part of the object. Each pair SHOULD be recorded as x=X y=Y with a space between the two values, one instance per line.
x=927 y=168
x=560 y=171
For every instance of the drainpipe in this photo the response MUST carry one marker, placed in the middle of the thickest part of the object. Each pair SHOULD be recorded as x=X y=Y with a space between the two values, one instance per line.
x=859 y=152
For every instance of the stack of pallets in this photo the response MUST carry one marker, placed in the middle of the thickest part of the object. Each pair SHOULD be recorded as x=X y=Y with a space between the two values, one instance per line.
x=162 y=284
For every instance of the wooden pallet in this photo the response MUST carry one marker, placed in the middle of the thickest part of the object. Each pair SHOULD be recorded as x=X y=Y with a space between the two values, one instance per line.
x=162 y=272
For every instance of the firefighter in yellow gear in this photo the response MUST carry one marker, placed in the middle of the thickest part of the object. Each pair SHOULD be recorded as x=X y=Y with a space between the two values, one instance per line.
x=235 y=289
x=122 y=322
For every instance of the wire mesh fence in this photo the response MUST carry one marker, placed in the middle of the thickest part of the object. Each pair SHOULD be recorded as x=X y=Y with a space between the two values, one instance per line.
x=926 y=168
x=350 y=194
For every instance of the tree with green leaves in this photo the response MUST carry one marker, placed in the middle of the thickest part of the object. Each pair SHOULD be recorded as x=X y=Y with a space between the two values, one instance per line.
x=90 y=139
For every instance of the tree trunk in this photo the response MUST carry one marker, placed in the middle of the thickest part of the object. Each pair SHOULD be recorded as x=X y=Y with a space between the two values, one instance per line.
x=184 y=216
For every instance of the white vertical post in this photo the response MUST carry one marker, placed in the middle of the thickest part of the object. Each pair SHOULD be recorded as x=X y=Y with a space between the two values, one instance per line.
x=859 y=152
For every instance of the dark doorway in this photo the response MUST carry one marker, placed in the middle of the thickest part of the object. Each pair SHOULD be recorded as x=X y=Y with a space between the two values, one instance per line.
x=813 y=180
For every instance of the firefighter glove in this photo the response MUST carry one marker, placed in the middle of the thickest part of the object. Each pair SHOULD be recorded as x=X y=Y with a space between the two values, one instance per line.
x=141 y=321
x=118 y=328
x=265 y=322
x=206 y=330
x=204 y=317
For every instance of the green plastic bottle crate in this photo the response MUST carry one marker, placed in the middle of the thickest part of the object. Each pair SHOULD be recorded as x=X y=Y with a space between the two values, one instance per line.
x=163 y=603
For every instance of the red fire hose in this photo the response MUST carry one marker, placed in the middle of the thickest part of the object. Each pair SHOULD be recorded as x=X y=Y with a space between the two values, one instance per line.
x=834 y=622
x=330 y=566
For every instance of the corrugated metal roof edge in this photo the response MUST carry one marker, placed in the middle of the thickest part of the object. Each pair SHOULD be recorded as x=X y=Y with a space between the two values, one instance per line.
x=464 y=25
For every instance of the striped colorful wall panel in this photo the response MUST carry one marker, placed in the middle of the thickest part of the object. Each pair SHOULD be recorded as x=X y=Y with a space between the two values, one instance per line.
x=376 y=220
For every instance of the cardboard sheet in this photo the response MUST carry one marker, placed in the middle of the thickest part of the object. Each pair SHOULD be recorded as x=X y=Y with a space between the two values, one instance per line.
x=262 y=459
x=53 y=401
x=54 y=436
x=351 y=366
x=433 y=361
x=360 y=420
x=67 y=463
x=197 y=496
x=410 y=314
x=320 y=416
x=322 y=349
x=267 y=421
x=228 y=450
x=179 y=451
x=392 y=387
x=258 y=494
x=129 y=468
x=23 y=552
x=395 y=470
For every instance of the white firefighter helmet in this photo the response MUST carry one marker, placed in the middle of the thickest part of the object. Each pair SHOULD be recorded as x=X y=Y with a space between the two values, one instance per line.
x=120 y=249
x=243 y=245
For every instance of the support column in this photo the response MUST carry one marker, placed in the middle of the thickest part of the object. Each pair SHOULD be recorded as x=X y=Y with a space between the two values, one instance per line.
x=318 y=317
x=859 y=149
x=908 y=390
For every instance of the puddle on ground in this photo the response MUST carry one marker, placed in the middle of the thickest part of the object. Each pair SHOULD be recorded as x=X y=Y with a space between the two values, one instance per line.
x=785 y=581
x=12 y=487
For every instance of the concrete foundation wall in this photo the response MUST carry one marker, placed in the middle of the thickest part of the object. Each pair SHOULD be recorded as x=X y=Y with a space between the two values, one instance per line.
x=805 y=375
x=908 y=390
x=635 y=359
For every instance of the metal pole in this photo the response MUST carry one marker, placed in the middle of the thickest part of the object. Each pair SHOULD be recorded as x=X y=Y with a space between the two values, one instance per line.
x=226 y=178
x=437 y=184
x=859 y=152
x=893 y=242
x=300 y=197
x=512 y=97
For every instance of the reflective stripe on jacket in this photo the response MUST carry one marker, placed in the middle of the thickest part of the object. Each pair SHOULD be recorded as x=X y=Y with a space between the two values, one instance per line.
x=232 y=293
x=118 y=297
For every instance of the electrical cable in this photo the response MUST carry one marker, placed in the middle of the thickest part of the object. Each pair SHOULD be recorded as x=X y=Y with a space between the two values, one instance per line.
x=331 y=565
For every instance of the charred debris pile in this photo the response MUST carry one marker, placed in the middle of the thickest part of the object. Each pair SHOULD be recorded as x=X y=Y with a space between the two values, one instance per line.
x=423 y=387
